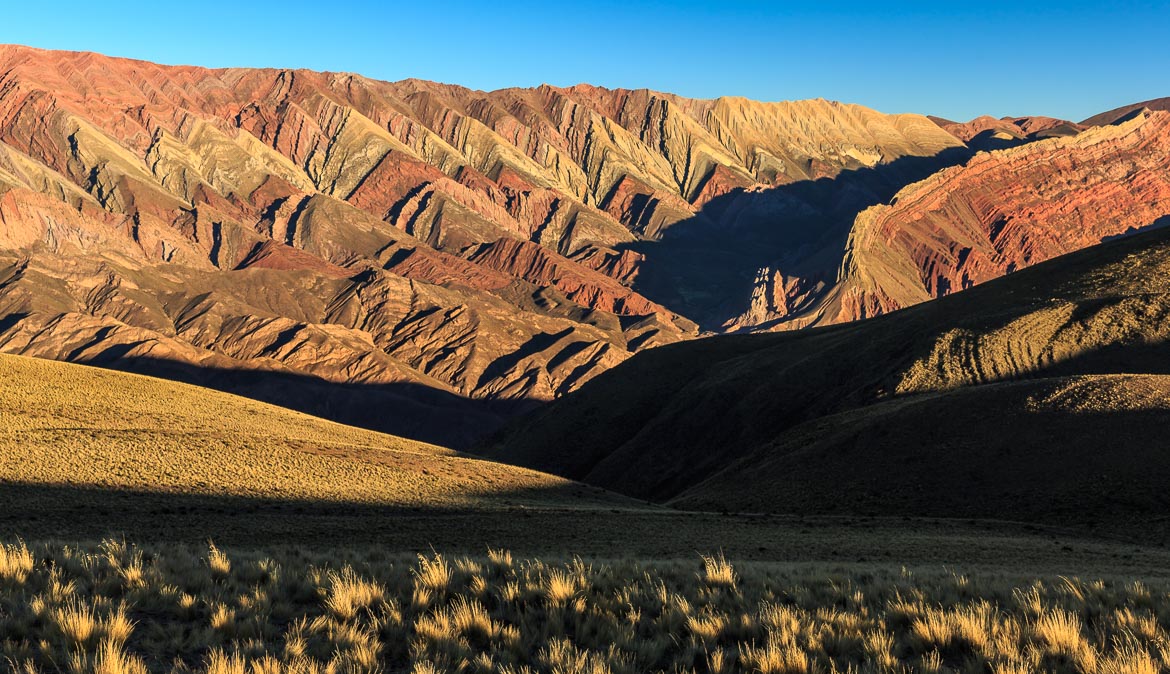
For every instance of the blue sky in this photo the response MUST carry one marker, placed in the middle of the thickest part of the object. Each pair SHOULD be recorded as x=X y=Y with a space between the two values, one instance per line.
x=952 y=59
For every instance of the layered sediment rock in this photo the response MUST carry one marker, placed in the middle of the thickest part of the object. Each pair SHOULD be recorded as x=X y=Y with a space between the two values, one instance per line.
x=1003 y=211
x=502 y=246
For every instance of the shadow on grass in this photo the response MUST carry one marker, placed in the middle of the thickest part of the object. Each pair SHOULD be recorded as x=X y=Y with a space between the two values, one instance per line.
x=86 y=514
x=407 y=410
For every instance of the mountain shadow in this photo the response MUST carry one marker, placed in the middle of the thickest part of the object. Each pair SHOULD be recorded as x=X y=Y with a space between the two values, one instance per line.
x=701 y=422
x=705 y=267
x=407 y=410
x=74 y=513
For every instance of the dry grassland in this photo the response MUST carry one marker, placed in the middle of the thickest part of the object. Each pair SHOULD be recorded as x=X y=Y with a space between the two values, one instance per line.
x=118 y=609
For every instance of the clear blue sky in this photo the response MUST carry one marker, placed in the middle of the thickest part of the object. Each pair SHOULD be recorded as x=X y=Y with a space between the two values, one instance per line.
x=955 y=59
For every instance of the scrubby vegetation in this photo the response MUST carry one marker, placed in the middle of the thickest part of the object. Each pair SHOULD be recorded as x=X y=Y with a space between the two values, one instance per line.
x=122 y=609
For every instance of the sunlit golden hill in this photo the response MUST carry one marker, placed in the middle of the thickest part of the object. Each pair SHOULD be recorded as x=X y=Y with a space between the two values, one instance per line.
x=66 y=427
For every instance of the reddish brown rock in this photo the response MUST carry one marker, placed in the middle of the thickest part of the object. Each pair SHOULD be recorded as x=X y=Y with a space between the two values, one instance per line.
x=1003 y=211
x=987 y=133
x=273 y=255
x=1124 y=111
x=535 y=264
x=499 y=246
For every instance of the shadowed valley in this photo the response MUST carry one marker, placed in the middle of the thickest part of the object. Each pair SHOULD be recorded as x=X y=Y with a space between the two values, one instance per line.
x=1037 y=397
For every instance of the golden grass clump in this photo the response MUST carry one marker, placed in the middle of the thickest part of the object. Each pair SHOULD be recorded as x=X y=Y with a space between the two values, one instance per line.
x=109 y=659
x=1131 y=660
x=560 y=587
x=219 y=563
x=1060 y=635
x=776 y=656
x=433 y=574
x=16 y=563
x=76 y=623
x=349 y=594
x=718 y=572
x=219 y=662
x=363 y=612
x=707 y=628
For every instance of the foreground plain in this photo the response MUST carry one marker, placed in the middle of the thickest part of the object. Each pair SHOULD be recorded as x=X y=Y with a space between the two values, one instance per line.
x=118 y=609
x=319 y=525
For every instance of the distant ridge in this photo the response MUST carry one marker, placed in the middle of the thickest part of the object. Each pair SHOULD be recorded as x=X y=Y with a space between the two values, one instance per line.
x=1116 y=114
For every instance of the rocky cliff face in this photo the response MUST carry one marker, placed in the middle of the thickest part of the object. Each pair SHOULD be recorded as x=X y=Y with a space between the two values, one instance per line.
x=403 y=241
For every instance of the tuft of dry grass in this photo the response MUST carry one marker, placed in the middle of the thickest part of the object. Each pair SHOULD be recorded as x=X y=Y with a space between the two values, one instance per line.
x=777 y=656
x=560 y=587
x=433 y=574
x=219 y=563
x=76 y=623
x=349 y=594
x=110 y=659
x=16 y=563
x=718 y=572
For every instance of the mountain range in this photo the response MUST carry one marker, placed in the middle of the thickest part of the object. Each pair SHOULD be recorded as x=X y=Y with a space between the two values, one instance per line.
x=431 y=261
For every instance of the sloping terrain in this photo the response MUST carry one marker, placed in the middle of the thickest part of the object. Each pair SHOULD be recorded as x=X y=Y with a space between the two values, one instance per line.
x=862 y=246
x=1038 y=396
x=88 y=453
x=454 y=255
x=1118 y=114
x=71 y=427
x=428 y=260
x=988 y=133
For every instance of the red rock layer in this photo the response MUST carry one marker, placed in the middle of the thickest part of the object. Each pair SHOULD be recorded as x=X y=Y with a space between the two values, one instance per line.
x=1003 y=211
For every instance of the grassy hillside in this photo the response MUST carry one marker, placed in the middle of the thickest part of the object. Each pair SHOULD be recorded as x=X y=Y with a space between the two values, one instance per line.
x=908 y=406
x=1079 y=451
x=313 y=579
x=70 y=427
x=87 y=453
